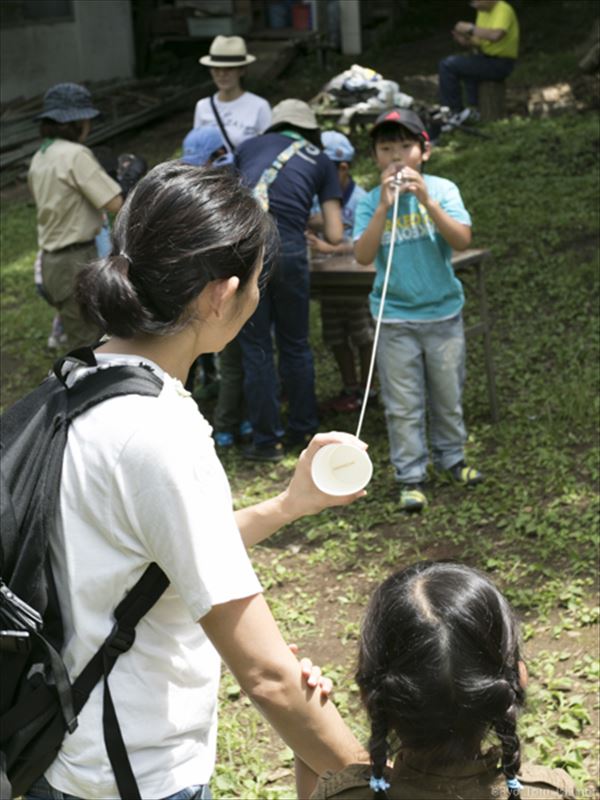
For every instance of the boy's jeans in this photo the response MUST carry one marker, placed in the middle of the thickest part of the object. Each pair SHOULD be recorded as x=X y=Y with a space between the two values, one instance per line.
x=41 y=790
x=421 y=368
x=471 y=69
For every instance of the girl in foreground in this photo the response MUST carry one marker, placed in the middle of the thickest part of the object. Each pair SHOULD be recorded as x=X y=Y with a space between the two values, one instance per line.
x=441 y=675
x=141 y=483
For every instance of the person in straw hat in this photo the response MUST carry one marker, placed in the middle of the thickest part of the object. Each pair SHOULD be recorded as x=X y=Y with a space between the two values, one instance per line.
x=239 y=114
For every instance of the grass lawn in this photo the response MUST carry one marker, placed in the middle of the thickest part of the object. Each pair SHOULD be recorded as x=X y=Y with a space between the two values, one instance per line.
x=532 y=190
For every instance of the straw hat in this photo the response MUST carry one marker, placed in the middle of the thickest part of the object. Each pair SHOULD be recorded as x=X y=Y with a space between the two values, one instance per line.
x=227 y=51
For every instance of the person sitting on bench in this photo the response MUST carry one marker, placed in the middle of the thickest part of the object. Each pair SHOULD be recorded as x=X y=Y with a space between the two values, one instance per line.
x=495 y=35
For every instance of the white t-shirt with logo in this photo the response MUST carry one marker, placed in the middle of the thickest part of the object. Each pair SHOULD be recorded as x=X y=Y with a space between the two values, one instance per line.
x=246 y=116
x=141 y=482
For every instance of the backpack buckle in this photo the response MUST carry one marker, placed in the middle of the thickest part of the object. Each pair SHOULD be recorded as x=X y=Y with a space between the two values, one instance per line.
x=119 y=640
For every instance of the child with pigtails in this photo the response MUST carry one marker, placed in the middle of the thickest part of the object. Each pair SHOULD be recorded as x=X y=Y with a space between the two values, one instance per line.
x=442 y=678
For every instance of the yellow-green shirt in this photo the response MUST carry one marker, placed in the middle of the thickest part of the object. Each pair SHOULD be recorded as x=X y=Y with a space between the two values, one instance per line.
x=501 y=16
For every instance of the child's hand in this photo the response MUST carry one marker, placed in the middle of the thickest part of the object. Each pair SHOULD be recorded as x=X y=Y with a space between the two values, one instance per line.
x=388 y=185
x=311 y=675
x=317 y=244
x=413 y=182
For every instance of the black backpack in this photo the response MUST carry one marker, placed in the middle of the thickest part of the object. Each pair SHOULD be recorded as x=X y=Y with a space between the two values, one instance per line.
x=38 y=702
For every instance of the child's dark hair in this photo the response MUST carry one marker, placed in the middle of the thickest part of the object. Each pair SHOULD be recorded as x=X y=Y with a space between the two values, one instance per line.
x=394 y=132
x=50 y=129
x=180 y=228
x=439 y=667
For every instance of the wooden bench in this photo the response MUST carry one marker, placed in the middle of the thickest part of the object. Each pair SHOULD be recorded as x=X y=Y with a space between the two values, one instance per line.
x=342 y=276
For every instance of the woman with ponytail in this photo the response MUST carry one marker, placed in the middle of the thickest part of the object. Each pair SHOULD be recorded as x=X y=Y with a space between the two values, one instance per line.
x=141 y=484
x=442 y=680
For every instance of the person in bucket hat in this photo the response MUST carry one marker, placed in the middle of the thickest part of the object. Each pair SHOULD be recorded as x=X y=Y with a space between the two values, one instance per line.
x=71 y=191
x=287 y=168
x=238 y=114
x=67 y=102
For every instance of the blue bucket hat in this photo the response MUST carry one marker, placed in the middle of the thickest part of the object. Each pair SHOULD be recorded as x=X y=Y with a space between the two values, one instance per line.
x=200 y=144
x=67 y=102
x=336 y=146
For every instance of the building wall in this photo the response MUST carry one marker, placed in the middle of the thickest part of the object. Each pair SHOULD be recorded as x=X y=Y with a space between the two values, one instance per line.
x=96 y=45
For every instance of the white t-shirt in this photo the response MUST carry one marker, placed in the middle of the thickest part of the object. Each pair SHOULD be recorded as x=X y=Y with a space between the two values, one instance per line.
x=141 y=482
x=247 y=116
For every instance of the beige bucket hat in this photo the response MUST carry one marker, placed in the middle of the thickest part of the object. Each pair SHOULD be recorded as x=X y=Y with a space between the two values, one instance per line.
x=294 y=112
x=227 y=51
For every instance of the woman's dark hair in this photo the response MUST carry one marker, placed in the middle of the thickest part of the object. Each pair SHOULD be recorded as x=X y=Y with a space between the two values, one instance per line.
x=312 y=135
x=438 y=666
x=50 y=129
x=180 y=228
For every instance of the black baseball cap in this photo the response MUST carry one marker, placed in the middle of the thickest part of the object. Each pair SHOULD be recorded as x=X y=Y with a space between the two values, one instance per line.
x=405 y=117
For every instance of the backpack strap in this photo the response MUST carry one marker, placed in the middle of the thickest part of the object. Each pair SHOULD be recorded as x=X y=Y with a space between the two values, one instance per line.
x=136 y=603
x=222 y=128
x=261 y=190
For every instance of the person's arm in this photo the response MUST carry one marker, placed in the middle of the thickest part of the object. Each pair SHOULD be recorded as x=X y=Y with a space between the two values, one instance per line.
x=457 y=234
x=299 y=499
x=462 y=39
x=366 y=247
x=321 y=246
x=315 y=222
x=333 y=227
x=114 y=205
x=247 y=638
x=475 y=32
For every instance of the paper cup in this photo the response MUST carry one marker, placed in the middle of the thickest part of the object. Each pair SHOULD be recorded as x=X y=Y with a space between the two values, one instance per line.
x=340 y=469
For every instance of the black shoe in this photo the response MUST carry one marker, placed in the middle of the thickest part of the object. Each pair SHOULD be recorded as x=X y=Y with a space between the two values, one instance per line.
x=269 y=452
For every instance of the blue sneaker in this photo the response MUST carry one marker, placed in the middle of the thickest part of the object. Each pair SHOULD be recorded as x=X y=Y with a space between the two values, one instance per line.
x=223 y=439
x=245 y=430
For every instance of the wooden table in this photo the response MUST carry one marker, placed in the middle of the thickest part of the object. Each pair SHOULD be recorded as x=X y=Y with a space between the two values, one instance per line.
x=342 y=276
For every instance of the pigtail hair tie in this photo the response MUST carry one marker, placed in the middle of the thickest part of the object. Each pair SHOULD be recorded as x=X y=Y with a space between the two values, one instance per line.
x=378 y=784
x=514 y=785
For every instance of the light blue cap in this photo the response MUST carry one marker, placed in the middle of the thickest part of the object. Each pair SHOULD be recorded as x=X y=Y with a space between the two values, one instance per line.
x=337 y=146
x=200 y=144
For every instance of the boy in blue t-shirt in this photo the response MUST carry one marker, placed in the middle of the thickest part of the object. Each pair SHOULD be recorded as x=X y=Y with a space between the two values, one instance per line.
x=346 y=322
x=421 y=350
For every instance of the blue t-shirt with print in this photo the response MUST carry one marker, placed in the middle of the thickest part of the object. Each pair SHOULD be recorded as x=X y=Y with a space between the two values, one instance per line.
x=422 y=284
x=307 y=173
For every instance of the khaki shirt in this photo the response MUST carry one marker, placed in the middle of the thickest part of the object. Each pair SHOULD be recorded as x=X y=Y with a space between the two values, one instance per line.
x=480 y=780
x=69 y=188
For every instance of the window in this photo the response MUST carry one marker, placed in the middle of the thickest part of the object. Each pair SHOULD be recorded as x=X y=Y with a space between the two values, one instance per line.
x=28 y=12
